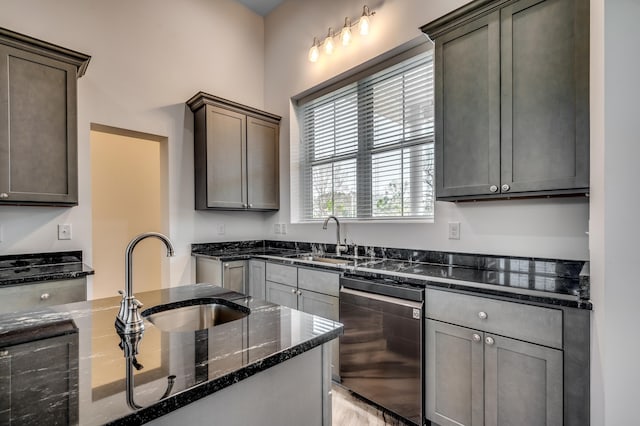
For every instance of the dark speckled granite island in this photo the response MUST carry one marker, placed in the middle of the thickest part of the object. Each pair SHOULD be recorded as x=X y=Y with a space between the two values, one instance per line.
x=66 y=364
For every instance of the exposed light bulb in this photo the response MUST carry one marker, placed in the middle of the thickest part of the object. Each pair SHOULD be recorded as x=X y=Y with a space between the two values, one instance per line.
x=363 y=23
x=314 y=52
x=328 y=43
x=345 y=35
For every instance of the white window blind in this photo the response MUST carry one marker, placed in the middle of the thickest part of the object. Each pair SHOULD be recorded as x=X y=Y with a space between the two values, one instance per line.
x=366 y=149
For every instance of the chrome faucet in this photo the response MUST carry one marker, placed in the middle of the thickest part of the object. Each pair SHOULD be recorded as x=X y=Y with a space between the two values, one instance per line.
x=129 y=319
x=339 y=248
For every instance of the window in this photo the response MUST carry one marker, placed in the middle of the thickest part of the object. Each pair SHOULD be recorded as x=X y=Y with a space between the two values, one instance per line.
x=366 y=147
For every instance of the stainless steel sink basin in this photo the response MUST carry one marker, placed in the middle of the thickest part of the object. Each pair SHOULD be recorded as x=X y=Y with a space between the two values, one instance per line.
x=322 y=259
x=194 y=314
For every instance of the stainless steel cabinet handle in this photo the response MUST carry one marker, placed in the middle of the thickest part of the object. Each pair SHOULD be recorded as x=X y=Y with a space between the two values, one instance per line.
x=493 y=188
x=476 y=337
x=44 y=296
x=483 y=315
x=4 y=195
x=505 y=187
x=489 y=341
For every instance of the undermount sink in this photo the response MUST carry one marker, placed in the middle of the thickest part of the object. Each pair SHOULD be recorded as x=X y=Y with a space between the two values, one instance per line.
x=322 y=259
x=194 y=314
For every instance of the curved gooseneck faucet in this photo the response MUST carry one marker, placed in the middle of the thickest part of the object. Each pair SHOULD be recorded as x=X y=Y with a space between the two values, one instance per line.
x=339 y=248
x=128 y=319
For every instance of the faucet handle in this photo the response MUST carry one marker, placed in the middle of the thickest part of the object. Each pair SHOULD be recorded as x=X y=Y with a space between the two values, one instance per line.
x=134 y=320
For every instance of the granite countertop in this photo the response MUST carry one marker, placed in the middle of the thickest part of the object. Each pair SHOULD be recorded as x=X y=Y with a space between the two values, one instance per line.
x=18 y=269
x=201 y=362
x=550 y=281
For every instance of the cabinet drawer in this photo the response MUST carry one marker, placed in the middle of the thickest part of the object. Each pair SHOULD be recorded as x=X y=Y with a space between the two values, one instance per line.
x=282 y=274
x=49 y=293
x=525 y=322
x=319 y=281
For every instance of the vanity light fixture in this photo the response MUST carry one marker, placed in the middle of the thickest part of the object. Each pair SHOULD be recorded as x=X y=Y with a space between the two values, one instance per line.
x=328 y=42
x=346 y=35
x=363 y=23
x=314 y=52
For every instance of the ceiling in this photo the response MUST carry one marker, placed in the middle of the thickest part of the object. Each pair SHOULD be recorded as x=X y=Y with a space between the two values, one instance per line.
x=261 y=7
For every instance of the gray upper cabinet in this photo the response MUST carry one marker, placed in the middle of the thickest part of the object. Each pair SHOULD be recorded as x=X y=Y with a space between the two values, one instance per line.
x=38 y=121
x=512 y=99
x=235 y=155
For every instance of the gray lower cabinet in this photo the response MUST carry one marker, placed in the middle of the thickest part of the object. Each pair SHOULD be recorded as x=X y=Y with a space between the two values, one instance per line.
x=309 y=290
x=282 y=294
x=38 y=121
x=231 y=275
x=41 y=294
x=477 y=378
x=236 y=154
x=512 y=99
x=257 y=282
x=40 y=377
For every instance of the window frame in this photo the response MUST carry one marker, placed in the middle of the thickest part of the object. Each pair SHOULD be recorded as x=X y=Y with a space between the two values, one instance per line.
x=365 y=151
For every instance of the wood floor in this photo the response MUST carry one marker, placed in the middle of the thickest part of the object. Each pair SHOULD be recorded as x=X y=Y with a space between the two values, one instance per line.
x=348 y=410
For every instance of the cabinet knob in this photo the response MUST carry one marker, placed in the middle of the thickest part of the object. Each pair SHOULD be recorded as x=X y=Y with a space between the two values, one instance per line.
x=4 y=195
x=505 y=188
x=293 y=290
x=489 y=340
x=483 y=315
x=4 y=353
x=476 y=337
x=299 y=293
x=44 y=296
x=244 y=205
x=226 y=265
x=493 y=188
x=250 y=205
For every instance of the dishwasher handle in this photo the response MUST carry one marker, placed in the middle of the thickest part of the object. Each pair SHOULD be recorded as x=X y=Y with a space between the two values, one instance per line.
x=382 y=298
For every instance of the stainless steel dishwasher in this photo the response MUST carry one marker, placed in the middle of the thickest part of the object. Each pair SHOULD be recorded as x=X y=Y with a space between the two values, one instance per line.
x=381 y=349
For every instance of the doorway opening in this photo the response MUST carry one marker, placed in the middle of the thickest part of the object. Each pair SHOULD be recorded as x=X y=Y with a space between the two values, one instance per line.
x=128 y=185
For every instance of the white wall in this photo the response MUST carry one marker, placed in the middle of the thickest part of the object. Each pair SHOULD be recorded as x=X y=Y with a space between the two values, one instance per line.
x=614 y=211
x=148 y=58
x=544 y=228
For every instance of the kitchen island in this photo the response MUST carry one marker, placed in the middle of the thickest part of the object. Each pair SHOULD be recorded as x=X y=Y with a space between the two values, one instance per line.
x=69 y=362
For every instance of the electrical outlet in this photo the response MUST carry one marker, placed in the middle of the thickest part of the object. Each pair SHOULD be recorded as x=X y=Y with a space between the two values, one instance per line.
x=454 y=230
x=64 y=231
x=283 y=228
x=221 y=229
x=276 y=228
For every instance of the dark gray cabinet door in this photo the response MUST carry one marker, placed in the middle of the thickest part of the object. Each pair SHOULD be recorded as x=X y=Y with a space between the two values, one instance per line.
x=38 y=130
x=262 y=164
x=281 y=294
x=233 y=276
x=40 y=377
x=225 y=141
x=523 y=383
x=467 y=91
x=454 y=375
x=545 y=124
x=257 y=279
x=324 y=306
